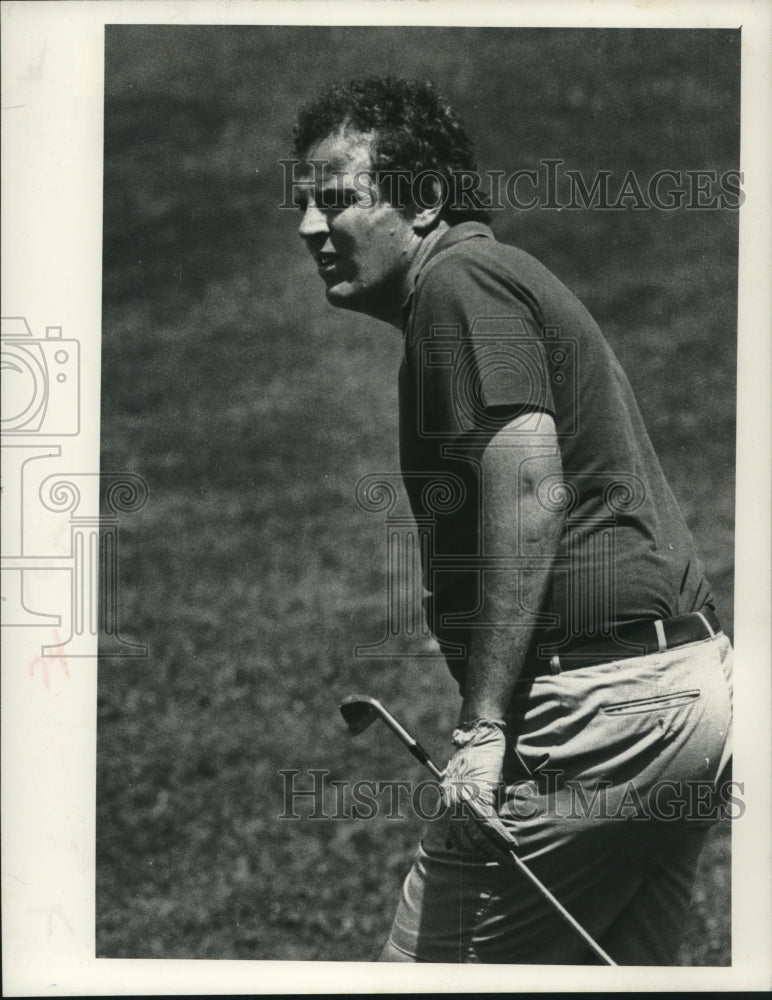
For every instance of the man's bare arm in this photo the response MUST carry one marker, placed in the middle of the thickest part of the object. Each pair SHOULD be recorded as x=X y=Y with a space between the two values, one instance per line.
x=513 y=523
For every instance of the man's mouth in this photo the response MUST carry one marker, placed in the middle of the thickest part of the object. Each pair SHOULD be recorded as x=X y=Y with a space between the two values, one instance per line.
x=327 y=262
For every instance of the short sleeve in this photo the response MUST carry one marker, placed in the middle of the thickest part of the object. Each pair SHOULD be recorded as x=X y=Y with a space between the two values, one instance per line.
x=475 y=347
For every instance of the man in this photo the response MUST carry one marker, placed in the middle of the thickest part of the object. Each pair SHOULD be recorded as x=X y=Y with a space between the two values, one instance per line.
x=563 y=585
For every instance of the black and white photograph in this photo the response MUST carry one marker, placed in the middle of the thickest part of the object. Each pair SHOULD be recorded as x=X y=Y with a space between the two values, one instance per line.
x=404 y=564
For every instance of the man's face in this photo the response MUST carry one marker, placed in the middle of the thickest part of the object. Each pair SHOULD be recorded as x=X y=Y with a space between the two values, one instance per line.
x=362 y=245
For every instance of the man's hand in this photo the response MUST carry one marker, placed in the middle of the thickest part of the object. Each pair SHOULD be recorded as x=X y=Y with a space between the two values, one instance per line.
x=470 y=785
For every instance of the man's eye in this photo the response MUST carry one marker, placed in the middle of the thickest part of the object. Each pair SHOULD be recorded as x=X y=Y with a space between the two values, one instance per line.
x=335 y=200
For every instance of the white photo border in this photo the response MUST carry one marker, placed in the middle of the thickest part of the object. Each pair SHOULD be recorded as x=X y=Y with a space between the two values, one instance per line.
x=53 y=67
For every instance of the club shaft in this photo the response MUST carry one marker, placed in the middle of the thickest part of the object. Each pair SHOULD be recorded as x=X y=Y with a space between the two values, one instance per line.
x=420 y=754
x=572 y=921
x=412 y=744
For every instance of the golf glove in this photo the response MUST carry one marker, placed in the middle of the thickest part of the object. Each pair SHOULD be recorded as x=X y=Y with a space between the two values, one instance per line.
x=470 y=784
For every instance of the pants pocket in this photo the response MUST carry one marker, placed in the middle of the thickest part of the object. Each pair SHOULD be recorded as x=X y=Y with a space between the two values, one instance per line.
x=652 y=704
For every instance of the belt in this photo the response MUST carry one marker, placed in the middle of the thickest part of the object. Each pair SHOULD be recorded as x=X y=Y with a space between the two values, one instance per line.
x=638 y=639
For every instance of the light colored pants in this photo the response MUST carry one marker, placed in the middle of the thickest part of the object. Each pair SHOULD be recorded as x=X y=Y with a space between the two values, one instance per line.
x=609 y=794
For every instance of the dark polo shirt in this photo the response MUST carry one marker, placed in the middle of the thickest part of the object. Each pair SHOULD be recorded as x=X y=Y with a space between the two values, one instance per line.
x=491 y=333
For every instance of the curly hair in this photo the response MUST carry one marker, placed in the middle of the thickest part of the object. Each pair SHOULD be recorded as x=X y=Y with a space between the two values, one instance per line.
x=414 y=130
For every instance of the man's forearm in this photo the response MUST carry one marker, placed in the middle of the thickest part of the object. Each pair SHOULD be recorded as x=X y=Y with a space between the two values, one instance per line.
x=514 y=524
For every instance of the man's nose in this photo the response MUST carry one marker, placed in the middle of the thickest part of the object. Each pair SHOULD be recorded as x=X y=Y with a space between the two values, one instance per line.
x=313 y=222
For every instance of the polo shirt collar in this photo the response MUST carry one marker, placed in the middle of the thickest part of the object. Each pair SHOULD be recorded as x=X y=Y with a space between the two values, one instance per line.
x=452 y=236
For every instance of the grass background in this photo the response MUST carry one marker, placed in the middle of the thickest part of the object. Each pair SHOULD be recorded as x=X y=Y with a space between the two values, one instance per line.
x=252 y=408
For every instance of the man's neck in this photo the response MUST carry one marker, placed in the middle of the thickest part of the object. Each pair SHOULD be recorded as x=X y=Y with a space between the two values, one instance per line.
x=390 y=309
x=424 y=249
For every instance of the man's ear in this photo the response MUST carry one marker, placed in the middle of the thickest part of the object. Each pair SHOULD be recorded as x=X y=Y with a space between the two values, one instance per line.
x=430 y=200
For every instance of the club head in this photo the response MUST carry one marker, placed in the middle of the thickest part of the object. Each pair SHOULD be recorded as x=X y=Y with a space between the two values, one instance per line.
x=359 y=711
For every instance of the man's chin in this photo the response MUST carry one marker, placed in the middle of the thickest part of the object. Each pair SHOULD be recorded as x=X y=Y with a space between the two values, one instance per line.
x=341 y=296
x=356 y=299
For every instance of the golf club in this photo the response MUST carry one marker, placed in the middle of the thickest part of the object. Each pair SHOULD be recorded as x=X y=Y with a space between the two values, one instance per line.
x=360 y=711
